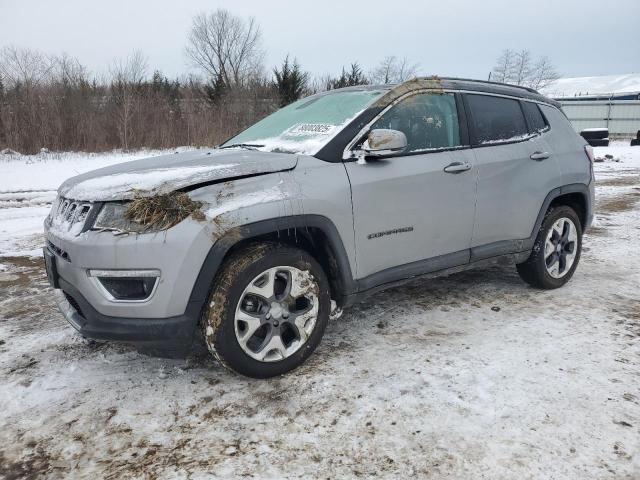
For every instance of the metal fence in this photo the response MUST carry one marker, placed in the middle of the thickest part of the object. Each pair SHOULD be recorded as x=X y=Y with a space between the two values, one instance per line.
x=621 y=117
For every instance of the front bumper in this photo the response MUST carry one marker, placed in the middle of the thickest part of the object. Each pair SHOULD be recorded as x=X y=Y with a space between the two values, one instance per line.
x=167 y=337
x=165 y=323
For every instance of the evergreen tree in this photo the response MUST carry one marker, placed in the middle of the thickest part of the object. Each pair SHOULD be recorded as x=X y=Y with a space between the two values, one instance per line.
x=291 y=82
x=215 y=89
x=356 y=76
x=157 y=82
x=353 y=77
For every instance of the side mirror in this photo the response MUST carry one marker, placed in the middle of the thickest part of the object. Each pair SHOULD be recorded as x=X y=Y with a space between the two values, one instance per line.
x=382 y=141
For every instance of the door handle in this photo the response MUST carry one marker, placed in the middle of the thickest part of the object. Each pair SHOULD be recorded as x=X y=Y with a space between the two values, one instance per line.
x=457 y=167
x=539 y=156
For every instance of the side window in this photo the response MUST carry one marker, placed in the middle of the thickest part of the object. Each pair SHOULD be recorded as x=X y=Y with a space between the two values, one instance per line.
x=429 y=120
x=497 y=119
x=537 y=123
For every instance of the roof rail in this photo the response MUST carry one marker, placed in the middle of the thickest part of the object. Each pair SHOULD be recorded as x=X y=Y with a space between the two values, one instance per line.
x=475 y=80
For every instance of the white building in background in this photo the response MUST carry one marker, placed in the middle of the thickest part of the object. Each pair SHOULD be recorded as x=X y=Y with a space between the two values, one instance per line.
x=611 y=101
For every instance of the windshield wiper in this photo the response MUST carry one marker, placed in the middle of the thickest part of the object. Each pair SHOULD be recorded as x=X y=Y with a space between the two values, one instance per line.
x=248 y=146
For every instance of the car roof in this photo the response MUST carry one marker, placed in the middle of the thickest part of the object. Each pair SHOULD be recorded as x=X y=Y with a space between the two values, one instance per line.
x=452 y=83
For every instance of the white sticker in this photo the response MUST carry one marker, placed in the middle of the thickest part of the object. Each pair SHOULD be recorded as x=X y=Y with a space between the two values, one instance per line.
x=312 y=128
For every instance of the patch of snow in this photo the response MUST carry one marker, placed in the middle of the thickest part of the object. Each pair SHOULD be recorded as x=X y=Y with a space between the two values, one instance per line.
x=309 y=146
x=515 y=138
x=235 y=203
x=621 y=152
x=28 y=185
x=22 y=174
x=599 y=85
x=21 y=230
x=303 y=139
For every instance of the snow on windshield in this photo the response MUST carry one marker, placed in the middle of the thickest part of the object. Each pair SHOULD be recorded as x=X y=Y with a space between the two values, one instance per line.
x=308 y=124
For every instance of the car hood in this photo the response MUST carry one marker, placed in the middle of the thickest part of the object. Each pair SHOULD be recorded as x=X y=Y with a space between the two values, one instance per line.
x=167 y=173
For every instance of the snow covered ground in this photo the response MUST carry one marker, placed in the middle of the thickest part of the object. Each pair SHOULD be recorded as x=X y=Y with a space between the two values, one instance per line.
x=471 y=376
x=28 y=185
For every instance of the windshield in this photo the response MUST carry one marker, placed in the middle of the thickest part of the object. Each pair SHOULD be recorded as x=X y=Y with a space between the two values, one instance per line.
x=308 y=124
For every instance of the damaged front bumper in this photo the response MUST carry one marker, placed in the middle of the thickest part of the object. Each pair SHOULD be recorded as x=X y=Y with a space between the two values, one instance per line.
x=166 y=337
x=164 y=323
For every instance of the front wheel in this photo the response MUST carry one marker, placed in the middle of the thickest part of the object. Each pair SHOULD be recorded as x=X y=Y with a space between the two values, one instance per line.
x=556 y=251
x=268 y=310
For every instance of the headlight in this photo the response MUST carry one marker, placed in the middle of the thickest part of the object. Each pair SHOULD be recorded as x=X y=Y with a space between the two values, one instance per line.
x=112 y=217
x=148 y=214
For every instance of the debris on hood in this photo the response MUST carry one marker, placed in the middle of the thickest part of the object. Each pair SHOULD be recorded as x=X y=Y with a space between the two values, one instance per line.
x=164 y=211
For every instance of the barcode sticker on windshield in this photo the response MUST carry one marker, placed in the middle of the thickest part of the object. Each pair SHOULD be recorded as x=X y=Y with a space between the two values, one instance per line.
x=318 y=128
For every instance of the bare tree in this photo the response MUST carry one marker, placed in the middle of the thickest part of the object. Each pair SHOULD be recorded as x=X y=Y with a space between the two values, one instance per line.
x=504 y=66
x=126 y=77
x=225 y=46
x=393 y=70
x=68 y=69
x=543 y=74
x=320 y=83
x=24 y=66
x=520 y=68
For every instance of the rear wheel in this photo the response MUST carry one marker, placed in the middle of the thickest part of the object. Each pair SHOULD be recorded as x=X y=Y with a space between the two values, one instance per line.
x=268 y=310
x=556 y=251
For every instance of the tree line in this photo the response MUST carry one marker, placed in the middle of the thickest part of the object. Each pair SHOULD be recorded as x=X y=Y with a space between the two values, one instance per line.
x=54 y=102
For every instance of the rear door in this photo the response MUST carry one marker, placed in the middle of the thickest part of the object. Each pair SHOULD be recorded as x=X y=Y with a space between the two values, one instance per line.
x=409 y=208
x=516 y=171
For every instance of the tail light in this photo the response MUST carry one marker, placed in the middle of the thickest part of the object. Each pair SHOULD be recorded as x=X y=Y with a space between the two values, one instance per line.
x=588 y=149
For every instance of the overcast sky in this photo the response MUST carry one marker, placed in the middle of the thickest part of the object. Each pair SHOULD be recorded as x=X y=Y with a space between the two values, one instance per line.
x=458 y=38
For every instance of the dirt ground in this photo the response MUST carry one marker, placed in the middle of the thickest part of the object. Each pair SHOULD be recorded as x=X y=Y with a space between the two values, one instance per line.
x=475 y=375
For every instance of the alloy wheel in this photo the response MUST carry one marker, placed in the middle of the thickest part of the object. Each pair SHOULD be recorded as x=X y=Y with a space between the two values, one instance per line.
x=276 y=313
x=560 y=247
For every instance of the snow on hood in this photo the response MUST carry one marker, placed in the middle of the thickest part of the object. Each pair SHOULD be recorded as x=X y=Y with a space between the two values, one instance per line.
x=167 y=173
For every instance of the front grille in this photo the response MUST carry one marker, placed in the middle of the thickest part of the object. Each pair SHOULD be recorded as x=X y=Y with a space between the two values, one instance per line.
x=69 y=216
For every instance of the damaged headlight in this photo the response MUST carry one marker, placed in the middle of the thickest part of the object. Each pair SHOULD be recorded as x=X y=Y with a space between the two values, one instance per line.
x=148 y=214
x=112 y=217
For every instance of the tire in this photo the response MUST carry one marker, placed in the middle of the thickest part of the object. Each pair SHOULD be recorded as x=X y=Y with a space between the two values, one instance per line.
x=278 y=286
x=599 y=142
x=535 y=270
x=594 y=134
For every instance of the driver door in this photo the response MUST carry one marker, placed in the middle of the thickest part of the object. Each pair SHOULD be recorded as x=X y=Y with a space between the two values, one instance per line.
x=414 y=211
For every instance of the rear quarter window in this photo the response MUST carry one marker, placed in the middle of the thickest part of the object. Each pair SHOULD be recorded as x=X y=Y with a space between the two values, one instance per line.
x=496 y=119
x=537 y=122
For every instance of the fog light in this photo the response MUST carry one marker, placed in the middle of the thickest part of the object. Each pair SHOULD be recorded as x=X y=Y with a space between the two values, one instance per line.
x=126 y=285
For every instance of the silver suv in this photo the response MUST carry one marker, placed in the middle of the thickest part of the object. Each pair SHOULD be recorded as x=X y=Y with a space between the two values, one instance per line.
x=255 y=243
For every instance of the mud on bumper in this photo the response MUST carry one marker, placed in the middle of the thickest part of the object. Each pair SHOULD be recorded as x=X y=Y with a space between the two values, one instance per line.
x=166 y=337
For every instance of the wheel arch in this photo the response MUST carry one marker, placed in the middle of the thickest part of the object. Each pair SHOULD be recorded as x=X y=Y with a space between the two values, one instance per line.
x=575 y=195
x=577 y=201
x=315 y=234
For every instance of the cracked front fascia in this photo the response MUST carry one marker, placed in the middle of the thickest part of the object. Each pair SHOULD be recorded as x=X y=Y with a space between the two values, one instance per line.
x=235 y=203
